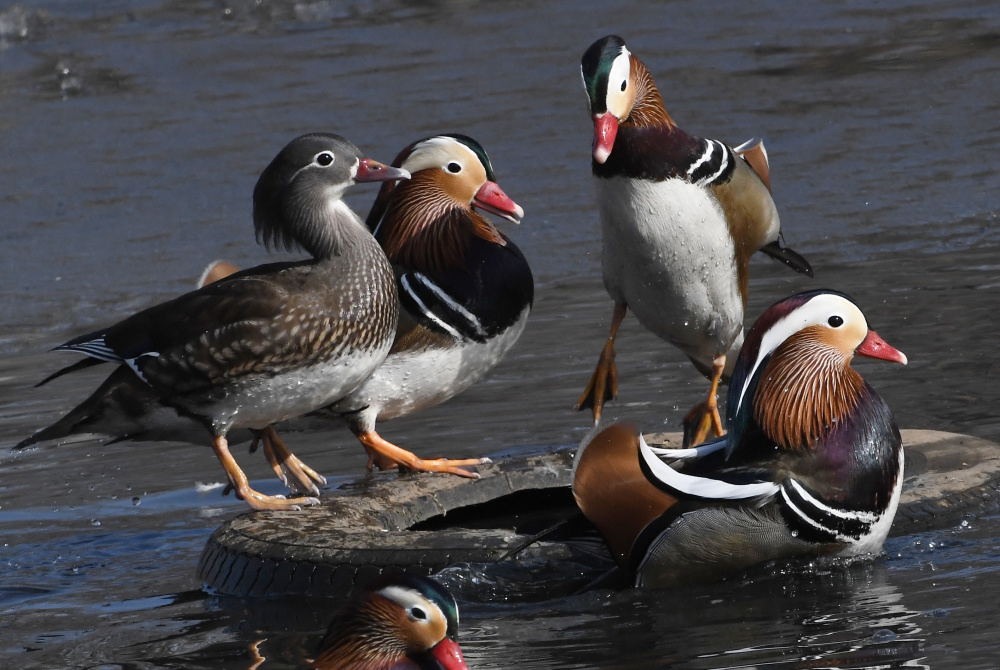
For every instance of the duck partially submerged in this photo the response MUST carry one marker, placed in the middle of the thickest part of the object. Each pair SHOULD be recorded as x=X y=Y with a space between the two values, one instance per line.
x=680 y=218
x=812 y=463
x=398 y=622
x=274 y=341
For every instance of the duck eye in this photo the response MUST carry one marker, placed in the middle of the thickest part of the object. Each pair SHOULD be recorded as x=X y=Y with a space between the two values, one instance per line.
x=624 y=85
x=324 y=158
x=418 y=614
x=454 y=168
x=835 y=321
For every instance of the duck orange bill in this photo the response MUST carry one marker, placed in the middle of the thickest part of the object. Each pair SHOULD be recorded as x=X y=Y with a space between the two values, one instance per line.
x=449 y=655
x=874 y=346
x=605 y=131
x=372 y=170
x=491 y=198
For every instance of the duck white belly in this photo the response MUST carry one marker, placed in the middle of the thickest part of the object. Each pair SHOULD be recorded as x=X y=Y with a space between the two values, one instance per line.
x=409 y=381
x=267 y=400
x=669 y=256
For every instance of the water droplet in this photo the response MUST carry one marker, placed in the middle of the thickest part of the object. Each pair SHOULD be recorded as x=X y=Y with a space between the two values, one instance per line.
x=136 y=500
x=883 y=636
x=95 y=522
x=795 y=533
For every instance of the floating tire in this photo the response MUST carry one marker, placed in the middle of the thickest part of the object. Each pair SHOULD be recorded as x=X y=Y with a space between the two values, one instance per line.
x=424 y=523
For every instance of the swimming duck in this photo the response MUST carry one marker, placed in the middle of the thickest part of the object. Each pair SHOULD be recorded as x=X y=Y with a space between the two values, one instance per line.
x=279 y=340
x=398 y=622
x=465 y=292
x=680 y=218
x=812 y=463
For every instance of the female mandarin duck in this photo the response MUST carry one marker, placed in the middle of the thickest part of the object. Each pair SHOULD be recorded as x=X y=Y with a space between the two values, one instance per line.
x=680 y=218
x=812 y=463
x=275 y=341
x=465 y=291
x=399 y=622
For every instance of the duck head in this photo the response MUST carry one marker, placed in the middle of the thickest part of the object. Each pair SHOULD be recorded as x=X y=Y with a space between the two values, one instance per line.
x=297 y=202
x=426 y=222
x=396 y=621
x=620 y=90
x=793 y=377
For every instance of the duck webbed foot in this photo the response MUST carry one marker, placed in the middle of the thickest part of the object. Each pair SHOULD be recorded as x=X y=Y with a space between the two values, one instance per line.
x=239 y=483
x=705 y=415
x=387 y=456
x=292 y=472
x=603 y=383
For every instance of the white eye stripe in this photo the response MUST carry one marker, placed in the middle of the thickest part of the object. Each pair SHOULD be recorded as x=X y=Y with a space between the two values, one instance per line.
x=412 y=601
x=814 y=312
x=619 y=73
x=439 y=152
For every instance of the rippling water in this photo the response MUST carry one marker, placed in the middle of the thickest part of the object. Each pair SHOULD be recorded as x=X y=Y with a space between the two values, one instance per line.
x=133 y=133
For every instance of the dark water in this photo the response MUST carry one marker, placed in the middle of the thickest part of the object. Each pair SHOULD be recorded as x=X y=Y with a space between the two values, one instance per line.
x=132 y=134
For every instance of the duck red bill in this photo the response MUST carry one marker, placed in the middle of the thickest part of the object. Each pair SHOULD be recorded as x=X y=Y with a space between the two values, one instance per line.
x=491 y=198
x=605 y=131
x=372 y=170
x=449 y=655
x=874 y=346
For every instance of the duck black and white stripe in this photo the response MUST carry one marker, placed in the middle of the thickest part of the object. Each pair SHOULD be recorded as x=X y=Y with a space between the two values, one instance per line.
x=714 y=164
x=422 y=296
x=817 y=521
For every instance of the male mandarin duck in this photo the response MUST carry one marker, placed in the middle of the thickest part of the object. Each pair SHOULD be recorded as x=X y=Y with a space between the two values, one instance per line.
x=812 y=463
x=465 y=291
x=680 y=218
x=275 y=341
x=399 y=622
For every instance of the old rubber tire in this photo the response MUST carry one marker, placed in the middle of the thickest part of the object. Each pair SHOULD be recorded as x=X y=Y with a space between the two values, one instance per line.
x=368 y=526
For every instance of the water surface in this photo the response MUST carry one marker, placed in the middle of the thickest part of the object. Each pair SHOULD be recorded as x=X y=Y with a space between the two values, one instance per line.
x=133 y=133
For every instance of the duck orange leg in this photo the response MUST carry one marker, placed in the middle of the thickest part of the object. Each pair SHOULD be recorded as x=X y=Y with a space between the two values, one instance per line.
x=238 y=480
x=387 y=456
x=604 y=382
x=705 y=415
x=295 y=474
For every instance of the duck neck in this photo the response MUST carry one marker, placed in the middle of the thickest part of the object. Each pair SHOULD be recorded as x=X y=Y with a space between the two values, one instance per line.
x=427 y=230
x=319 y=223
x=648 y=111
x=806 y=390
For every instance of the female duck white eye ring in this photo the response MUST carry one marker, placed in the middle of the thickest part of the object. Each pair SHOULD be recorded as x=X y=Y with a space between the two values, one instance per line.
x=324 y=159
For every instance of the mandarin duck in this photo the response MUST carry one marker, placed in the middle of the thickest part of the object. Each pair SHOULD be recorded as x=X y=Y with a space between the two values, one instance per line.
x=275 y=341
x=399 y=622
x=680 y=218
x=465 y=292
x=812 y=463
